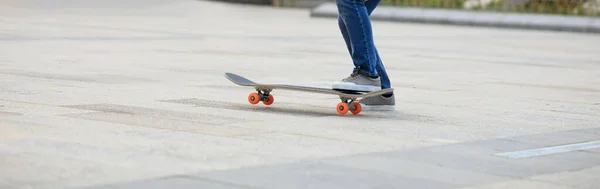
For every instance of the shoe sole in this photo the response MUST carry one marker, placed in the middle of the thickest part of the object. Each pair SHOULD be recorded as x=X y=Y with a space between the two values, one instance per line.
x=355 y=87
x=378 y=107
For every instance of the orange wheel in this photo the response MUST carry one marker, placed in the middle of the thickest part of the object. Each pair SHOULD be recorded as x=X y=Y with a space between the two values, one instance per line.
x=253 y=98
x=358 y=108
x=342 y=108
x=269 y=100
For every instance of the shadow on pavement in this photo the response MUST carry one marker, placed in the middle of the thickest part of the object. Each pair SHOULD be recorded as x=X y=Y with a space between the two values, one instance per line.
x=296 y=110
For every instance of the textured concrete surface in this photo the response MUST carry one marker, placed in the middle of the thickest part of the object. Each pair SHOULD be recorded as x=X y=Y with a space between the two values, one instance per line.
x=131 y=94
x=474 y=18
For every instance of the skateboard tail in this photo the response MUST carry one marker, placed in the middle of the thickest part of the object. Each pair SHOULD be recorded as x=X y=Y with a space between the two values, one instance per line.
x=237 y=79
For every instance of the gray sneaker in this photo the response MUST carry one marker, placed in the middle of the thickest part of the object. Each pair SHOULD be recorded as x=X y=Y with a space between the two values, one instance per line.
x=378 y=103
x=358 y=82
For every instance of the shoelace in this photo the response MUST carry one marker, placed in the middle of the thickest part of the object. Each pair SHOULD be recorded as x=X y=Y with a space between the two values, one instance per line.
x=352 y=76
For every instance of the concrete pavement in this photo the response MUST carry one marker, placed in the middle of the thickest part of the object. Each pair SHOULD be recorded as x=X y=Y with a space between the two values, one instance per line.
x=131 y=94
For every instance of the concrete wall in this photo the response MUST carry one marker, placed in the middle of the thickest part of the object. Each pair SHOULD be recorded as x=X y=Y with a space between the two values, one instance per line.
x=300 y=3
x=255 y=2
x=283 y=3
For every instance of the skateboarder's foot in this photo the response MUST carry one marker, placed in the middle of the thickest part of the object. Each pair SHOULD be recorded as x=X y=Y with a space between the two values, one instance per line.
x=385 y=102
x=358 y=82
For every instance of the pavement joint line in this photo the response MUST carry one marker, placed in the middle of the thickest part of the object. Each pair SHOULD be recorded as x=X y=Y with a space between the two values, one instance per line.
x=550 y=150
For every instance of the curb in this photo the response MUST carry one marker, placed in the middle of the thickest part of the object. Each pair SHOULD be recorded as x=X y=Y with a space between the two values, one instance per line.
x=471 y=18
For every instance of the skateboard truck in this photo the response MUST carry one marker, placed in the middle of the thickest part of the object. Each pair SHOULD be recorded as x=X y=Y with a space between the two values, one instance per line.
x=263 y=95
x=348 y=104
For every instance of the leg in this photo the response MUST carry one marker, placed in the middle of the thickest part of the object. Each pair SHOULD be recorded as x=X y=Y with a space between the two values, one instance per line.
x=345 y=34
x=385 y=81
x=371 y=5
x=386 y=101
x=356 y=29
x=358 y=26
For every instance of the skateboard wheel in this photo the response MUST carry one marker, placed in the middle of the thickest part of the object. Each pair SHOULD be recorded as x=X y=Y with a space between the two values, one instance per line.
x=254 y=98
x=269 y=100
x=357 y=108
x=342 y=108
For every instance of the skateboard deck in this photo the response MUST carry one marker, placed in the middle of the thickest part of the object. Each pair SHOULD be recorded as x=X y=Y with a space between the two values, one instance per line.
x=263 y=93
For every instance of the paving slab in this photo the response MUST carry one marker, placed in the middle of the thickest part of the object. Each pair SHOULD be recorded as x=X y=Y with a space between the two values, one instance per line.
x=318 y=175
x=584 y=178
x=131 y=94
x=521 y=184
x=182 y=182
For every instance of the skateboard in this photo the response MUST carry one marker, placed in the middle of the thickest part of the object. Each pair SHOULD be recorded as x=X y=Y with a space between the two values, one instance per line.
x=263 y=93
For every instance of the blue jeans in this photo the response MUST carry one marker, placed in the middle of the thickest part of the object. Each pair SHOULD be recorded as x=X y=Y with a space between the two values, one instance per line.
x=355 y=25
